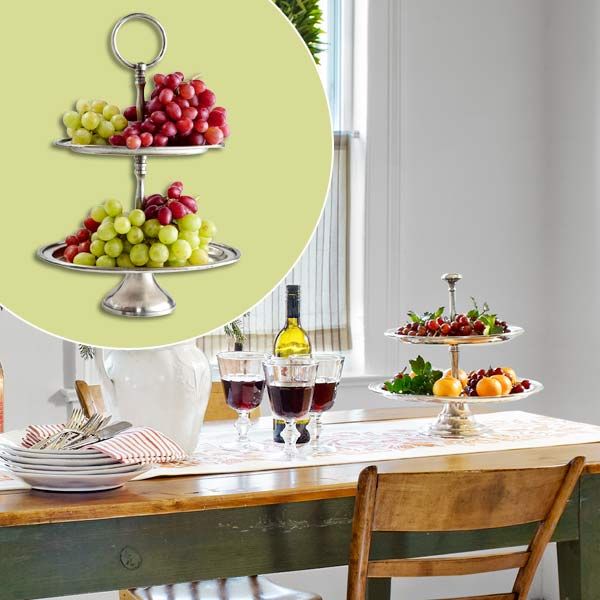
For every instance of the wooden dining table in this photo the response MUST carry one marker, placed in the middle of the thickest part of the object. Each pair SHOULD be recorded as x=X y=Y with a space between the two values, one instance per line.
x=179 y=529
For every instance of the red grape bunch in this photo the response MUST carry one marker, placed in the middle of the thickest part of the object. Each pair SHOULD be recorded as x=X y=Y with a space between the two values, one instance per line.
x=435 y=324
x=474 y=377
x=179 y=113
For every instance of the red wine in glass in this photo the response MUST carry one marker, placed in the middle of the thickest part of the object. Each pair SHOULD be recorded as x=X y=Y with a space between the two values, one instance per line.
x=290 y=401
x=243 y=393
x=324 y=396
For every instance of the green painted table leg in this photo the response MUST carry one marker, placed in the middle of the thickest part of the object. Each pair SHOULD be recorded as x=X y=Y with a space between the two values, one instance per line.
x=579 y=561
x=379 y=589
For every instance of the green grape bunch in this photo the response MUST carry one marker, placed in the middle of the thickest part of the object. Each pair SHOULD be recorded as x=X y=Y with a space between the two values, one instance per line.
x=93 y=122
x=165 y=232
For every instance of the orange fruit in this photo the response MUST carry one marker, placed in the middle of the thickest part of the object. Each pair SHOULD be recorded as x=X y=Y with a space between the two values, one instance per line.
x=505 y=382
x=488 y=386
x=510 y=373
x=448 y=386
x=462 y=376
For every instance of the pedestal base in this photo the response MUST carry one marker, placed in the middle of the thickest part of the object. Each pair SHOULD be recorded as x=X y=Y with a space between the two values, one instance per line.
x=456 y=421
x=138 y=295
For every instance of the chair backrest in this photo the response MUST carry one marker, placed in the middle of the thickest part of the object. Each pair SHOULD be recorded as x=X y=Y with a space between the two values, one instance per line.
x=90 y=398
x=458 y=501
x=92 y=402
x=218 y=410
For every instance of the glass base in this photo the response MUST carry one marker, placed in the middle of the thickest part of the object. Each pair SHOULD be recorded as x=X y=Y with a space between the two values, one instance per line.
x=281 y=453
x=323 y=449
x=236 y=446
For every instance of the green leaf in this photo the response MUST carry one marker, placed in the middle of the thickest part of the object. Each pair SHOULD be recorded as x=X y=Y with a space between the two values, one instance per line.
x=438 y=313
x=414 y=317
x=307 y=17
x=421 y=383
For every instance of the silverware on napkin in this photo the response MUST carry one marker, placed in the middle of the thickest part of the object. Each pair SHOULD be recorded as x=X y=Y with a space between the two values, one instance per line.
x=102 y=434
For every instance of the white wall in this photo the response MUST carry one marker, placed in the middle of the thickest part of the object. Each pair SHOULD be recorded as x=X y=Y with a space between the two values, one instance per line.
x=473 y=164
x=33 y=373
x=571 y=210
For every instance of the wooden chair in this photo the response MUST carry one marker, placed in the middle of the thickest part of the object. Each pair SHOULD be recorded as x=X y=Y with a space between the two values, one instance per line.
x=458 y=501
x=256 y=587
x=90 y=398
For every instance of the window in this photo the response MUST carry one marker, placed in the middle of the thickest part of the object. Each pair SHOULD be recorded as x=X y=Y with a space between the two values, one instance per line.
x=322 y=270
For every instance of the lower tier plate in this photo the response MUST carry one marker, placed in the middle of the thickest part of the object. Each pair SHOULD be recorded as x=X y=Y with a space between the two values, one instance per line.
x=138 y=294
x=220 y=255
x=535 y=388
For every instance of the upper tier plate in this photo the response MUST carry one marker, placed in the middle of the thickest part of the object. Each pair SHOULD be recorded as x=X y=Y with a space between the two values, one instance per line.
x=513 y=332
x=124 y=151
x=379 y=388
x=221 y=255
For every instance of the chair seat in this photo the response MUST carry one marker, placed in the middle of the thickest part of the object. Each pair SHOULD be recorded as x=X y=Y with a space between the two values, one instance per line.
x=233 y=588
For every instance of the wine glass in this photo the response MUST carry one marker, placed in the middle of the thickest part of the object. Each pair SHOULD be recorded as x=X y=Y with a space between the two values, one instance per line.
x=329 y=374
x=290 y=383
x=243 y=382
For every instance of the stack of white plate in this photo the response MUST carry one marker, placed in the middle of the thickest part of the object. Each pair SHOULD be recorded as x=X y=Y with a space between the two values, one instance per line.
x=67 y=470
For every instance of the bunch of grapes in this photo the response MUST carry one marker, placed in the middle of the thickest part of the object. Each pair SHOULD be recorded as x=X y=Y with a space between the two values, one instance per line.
x=93 y=122
x=474 y=377
x=179 y=113
x=167 y=234
x=461 y=325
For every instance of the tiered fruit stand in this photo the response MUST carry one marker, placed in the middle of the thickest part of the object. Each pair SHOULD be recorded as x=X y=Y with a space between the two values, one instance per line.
x=138 y=294
x=456 y=419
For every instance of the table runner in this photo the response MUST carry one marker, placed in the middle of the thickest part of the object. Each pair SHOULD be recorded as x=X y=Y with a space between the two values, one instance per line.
x=370 y=441
x=374 y=441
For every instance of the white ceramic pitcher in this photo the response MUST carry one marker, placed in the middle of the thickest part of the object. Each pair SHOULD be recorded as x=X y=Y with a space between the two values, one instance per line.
x=165 y=388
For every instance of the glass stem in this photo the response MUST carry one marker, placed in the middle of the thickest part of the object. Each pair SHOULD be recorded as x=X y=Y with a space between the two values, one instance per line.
x=315 y=434
x=290 y=436
x=242 y=426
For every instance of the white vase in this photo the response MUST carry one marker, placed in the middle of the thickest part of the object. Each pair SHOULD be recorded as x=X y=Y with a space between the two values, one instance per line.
x=164 y=388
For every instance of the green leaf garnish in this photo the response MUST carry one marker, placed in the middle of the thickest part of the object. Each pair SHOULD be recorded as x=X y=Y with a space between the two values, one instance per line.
x=421 y=383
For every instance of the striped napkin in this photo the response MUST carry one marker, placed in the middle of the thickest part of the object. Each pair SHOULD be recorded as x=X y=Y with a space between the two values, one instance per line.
x=137 y=445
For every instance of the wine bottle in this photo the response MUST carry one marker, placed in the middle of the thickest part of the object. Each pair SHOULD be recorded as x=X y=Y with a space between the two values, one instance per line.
x=292 y=340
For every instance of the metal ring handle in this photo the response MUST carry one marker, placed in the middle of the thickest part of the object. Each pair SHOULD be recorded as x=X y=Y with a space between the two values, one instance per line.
x=143 y=17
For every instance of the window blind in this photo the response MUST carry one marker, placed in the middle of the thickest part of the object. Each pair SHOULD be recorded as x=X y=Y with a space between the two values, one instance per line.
x=322 y=270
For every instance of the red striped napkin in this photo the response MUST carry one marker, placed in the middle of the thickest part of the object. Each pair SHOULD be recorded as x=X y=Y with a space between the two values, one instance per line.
x=138 y=445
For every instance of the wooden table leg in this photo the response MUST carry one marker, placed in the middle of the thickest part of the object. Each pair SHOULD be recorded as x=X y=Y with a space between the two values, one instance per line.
x=379 y=589
x=579 y=561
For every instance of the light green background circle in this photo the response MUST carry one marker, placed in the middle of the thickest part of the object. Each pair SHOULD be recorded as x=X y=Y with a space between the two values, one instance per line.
x=265 y=191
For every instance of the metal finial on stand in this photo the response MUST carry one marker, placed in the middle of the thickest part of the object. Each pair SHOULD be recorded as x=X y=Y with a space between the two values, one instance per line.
x=139 y=70
x=452 y=279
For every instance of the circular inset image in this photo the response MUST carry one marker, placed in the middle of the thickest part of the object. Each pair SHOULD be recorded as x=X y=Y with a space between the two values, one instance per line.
x=167 y=168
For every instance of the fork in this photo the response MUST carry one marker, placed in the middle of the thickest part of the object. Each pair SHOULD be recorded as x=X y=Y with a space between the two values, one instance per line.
x=95 y=423
x=74 y=434
x=76 y=421
x=70 y=433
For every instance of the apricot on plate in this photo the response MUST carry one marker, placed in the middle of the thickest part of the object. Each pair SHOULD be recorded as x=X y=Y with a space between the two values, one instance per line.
x=505 y=382
x=448 y=386
x=510 y=373
x=487 y=386
x=462 y=376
